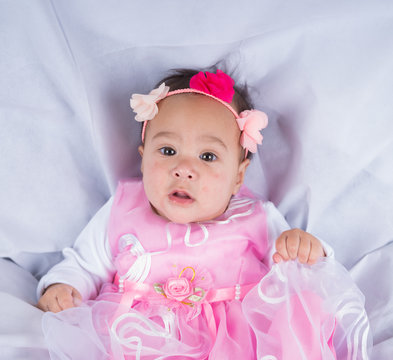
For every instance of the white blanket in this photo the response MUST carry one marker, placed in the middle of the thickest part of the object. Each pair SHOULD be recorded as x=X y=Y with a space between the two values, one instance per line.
x=322 y=71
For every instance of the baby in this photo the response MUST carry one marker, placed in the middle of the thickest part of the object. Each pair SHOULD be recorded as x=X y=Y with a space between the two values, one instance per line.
x=163 y=269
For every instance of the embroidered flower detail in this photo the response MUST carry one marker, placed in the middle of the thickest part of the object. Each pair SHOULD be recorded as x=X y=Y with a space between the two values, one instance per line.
x=181 y=289
x=178 y=289
x=250 y=123
x=145 y=106
x=219 y=85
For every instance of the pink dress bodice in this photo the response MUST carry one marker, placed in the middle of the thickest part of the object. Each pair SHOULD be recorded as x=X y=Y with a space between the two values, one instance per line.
x=230 y=248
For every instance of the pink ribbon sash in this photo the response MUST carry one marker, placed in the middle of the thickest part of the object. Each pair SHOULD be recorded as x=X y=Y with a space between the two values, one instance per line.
x=143 y=291
x=138 y=291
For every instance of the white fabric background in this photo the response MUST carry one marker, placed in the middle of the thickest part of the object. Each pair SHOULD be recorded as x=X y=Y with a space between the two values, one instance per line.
x=322 y=71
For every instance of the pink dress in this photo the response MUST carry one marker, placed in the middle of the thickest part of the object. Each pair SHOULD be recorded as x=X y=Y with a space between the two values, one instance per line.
x=202 y=291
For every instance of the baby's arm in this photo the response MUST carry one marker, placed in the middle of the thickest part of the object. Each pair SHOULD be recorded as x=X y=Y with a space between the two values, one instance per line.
x=58 y=297
x=84 y=269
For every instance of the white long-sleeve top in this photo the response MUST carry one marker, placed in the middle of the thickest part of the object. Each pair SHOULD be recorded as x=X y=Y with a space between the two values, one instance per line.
x=89 y=264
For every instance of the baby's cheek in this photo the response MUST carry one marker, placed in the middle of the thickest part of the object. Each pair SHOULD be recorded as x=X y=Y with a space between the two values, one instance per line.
x=205 y=189
x=219 y=177
x=216 y=183
x=156 y=168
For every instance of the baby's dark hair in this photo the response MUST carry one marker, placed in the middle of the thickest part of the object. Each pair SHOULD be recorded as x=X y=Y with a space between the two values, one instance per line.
x=180 y=79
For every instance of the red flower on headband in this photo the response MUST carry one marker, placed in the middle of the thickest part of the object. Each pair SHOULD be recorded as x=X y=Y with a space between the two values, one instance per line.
x=219 y=85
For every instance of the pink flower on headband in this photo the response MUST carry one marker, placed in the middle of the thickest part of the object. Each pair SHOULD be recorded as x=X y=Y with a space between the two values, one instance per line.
x=145 y=106
x=250 y=123
x=219 y=85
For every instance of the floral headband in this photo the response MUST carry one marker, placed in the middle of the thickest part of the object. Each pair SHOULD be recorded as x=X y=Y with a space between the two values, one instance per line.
x=217 y=86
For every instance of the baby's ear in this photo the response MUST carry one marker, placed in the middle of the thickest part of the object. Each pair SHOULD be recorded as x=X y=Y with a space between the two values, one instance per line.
x=240 y=175
x=140 y=150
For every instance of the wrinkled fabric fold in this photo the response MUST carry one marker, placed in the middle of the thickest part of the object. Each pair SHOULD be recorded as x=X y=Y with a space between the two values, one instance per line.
x=308 y=312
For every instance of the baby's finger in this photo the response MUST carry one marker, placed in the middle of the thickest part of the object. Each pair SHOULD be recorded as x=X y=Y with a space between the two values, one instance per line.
x=49 y=304
x=293 y=241
x=77 y=297
x=277 y=258
x=316 y=252
x=54 y=306
x=281 y=247
x=42 y=305
x=65 y=301
x=304 y=249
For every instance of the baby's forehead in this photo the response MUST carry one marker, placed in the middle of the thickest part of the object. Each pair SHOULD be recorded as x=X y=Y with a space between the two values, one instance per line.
x=196 y=115
x=195 y=102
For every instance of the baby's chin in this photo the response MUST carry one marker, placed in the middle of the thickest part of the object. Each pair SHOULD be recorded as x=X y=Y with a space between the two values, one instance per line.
x=181 y=218
x=184 y=217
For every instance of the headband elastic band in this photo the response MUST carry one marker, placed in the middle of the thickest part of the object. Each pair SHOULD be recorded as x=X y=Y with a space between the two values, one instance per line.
x=217 y=86
x=185 y=91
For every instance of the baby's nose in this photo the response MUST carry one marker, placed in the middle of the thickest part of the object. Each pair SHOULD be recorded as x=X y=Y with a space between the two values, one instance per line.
x=185 y=171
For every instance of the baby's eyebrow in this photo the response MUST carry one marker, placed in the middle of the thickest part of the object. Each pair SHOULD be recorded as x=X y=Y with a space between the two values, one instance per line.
x=202 y=138
x=166 y=134
x=215 y=139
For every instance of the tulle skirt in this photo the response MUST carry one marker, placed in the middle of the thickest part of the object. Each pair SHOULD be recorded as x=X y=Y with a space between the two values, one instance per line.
x=295 y=312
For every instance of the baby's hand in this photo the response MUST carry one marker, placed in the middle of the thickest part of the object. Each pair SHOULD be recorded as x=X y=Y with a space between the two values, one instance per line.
x=299 y=244
x=58 y=297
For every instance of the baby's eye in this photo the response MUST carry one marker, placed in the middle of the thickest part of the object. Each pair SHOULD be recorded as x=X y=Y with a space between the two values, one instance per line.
x=208 y=156
x=167 y=151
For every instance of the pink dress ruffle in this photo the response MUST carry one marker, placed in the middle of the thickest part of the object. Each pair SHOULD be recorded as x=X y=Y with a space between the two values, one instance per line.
x=294 y=312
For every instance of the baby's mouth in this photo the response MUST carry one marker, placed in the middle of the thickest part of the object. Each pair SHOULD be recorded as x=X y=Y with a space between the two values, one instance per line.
x=181 y=197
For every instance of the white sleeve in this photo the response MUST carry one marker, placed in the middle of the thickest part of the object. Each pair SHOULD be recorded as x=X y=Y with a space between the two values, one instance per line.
x=88 y=264
x=276 y=224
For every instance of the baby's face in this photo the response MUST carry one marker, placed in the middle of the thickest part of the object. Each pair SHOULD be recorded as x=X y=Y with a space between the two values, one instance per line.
x=191 y=159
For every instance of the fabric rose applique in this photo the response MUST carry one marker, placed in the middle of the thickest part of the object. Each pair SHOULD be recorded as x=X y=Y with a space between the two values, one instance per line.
x=219 y=85
x=250 y=123
x=145 y=106
x=187 y=289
